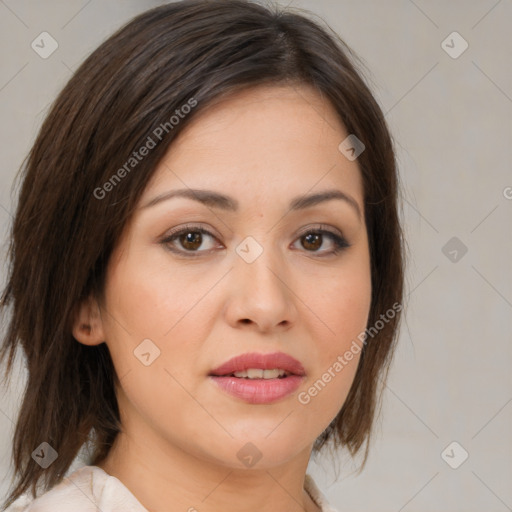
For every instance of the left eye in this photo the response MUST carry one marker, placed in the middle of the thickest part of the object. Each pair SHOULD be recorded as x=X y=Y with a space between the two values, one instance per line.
x=191 y=239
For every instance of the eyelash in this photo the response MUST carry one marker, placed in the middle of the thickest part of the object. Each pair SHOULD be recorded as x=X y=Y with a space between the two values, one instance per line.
x=340 y=242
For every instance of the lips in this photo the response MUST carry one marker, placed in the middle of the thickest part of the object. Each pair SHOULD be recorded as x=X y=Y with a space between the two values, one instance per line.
x=276 y=360
x=259 y=391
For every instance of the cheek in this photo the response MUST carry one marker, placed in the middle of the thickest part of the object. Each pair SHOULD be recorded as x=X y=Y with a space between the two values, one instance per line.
x=148 y=299
x=337 y=356
x=341 y=302
x=150 y=318
x=343 y=305
x=152 y=314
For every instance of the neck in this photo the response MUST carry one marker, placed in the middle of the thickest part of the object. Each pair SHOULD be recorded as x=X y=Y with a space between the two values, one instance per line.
x=168 y=478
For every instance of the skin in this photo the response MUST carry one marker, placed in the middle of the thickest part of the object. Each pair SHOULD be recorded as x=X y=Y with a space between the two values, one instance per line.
x=263 y=146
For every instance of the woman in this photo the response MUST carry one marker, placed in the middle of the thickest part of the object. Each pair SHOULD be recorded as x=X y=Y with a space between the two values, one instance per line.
x=206 y=267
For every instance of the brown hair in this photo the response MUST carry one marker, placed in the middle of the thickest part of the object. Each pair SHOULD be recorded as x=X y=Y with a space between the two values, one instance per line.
x=63 y=233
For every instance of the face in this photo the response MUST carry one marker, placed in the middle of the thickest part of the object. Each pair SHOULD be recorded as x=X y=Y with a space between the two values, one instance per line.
x=192 y=284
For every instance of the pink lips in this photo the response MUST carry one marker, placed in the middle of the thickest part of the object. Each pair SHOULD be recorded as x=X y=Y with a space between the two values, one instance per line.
x=243 y=362
x=259 y=391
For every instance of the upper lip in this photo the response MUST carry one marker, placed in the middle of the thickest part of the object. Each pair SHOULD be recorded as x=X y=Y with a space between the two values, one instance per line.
x=243 y=362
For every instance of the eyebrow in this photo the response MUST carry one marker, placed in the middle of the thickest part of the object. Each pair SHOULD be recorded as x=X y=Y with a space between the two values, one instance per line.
x=223 y=202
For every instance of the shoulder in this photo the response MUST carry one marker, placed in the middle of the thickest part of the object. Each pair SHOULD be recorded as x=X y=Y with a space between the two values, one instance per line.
x=316 y=495
x=87 y=489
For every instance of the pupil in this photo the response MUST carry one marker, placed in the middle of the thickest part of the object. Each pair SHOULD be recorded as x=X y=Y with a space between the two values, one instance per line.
x=190 y=238
x=310 y=238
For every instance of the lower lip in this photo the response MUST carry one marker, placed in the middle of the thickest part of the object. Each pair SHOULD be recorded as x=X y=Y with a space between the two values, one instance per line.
x=259 y=391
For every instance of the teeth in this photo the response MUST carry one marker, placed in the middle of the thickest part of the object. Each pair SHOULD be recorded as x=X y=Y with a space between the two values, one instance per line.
x=258 y=373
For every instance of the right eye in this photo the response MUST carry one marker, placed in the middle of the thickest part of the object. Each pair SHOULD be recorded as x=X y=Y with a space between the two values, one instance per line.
x=190 y=238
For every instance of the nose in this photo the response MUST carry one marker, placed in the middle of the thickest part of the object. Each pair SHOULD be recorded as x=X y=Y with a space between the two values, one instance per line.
x=261 y=293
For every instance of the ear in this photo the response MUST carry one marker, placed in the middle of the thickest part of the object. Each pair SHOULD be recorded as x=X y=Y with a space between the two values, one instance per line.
x=87 y=324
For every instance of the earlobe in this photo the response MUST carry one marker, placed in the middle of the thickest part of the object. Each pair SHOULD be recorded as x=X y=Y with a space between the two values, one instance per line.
x=87 y=324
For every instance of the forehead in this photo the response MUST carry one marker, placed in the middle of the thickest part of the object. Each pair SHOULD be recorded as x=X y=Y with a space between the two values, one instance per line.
x=300 y=110
x=258 y=141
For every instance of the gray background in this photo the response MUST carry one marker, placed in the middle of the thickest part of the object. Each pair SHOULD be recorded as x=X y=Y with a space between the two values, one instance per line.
x=451 y=118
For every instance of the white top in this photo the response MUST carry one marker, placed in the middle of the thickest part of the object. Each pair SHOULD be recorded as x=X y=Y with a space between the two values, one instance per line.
x=89 y=489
